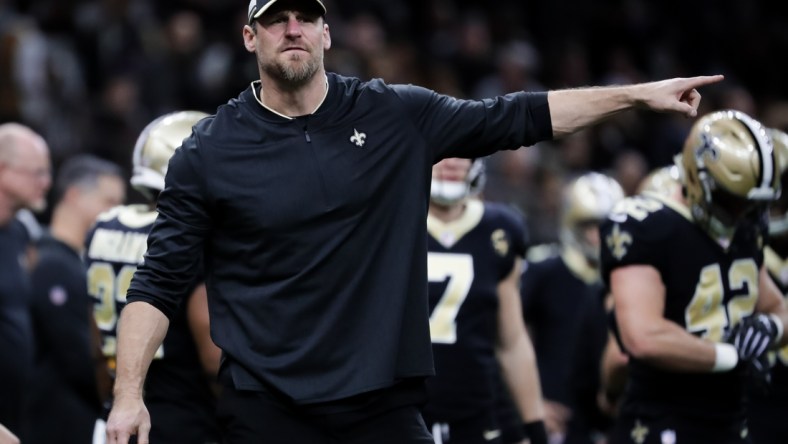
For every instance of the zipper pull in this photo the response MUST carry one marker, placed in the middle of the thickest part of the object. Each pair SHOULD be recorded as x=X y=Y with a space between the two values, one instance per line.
x=306 y=135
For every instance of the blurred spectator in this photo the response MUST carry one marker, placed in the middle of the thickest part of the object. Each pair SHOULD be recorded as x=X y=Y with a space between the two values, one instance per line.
x=473 y=59
x=577 y=153
x=41 y=73
x=517 y=64
x=61 y=58
x=546 y=205
x=629 y=169
x=119 y=117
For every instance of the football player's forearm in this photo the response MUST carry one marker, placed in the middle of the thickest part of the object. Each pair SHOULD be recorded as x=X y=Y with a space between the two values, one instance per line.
x=783 y=341
x=518 y=365
x=771 y=301
x=667 y=345
x=141 y=330
x=614 y=370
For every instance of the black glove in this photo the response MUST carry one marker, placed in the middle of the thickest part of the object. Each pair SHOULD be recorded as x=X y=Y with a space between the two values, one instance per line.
x=760 y=374
x=753 y=336
x=535 y=432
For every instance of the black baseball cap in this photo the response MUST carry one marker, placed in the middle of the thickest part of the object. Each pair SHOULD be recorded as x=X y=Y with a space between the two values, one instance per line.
x=258 y=8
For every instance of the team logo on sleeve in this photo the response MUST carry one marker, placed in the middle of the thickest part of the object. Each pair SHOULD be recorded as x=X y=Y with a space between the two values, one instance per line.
x=358 y=138
x=618 y=242
x=58 y=295
x=500 y=242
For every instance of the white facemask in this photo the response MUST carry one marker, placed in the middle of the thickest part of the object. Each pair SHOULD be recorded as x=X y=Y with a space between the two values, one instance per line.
x=444 y=192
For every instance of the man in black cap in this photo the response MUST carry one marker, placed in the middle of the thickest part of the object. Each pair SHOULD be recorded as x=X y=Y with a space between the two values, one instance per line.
x=307 y=199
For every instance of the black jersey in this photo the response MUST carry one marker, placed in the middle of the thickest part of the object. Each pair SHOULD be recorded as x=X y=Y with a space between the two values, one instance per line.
x=177 y=390
x=777 y=266
x=467 y=259
x=16 y=333
x=555 y=292
x=767 y=409
x=563 y=307
x=708 y=289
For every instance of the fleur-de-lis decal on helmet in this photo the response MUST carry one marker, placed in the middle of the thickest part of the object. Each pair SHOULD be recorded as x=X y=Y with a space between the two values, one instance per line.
x=707 y=150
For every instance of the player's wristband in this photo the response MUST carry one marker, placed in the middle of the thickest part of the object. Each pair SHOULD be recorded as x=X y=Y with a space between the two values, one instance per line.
x=535 y=432
x=780 y=327
x=725 y=357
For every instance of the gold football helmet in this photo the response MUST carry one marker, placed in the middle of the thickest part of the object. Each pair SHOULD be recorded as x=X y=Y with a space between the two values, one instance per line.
x=728 y=167
x=663 y=181
x=778 y=216
x=587 y=201
x=154 y=147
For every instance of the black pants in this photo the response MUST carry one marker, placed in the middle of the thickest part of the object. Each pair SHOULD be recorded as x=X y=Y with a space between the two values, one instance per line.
x=480 y=429
x=674 y=429
x=768 y=422
x=388 y=416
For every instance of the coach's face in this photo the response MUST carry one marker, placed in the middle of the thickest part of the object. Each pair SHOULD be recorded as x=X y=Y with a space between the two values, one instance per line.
x=289 y=40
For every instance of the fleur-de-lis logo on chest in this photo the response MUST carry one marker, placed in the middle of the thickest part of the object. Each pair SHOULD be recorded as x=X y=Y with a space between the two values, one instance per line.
x=359 y=139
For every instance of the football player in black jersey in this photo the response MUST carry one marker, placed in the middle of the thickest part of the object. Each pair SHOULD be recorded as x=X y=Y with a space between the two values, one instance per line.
x=694 y=305
x=767 y=410
x=563 y=306
x=474 y=264
x=662 y=181
x=179 y=392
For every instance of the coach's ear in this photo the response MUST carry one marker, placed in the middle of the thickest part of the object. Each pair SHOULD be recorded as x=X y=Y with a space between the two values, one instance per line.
x=250 y=37
x=326 y=37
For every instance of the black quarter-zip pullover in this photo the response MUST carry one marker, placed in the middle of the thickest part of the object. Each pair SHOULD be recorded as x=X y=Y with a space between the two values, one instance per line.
x=313 y=229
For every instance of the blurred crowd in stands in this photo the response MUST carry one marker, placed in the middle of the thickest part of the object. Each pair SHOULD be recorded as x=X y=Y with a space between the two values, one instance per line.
x=89 y=74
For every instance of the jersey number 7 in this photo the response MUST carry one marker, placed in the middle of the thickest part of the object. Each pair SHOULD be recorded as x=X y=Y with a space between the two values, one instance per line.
x=458 y=270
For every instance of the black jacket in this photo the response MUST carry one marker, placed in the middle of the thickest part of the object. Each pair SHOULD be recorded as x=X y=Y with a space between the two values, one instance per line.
x=313 y=229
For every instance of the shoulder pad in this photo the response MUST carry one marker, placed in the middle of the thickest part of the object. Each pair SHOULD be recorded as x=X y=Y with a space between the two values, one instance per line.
x=511 y=221
x=639 y=230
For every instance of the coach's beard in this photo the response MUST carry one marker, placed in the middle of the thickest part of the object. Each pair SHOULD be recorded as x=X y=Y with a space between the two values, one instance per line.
x=295 y=73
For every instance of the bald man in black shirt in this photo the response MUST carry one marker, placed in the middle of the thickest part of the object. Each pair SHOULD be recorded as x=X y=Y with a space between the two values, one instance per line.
x=24 y=181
